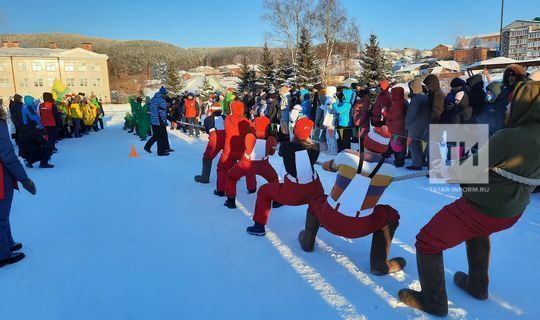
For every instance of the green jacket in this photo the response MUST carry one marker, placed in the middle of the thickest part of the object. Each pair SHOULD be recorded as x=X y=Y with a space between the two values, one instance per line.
x=515 y=149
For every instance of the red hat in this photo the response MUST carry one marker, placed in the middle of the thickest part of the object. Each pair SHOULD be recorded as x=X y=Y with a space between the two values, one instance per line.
x=378 y=139
x=302 y=128
x=261 y=126
x=384 y=84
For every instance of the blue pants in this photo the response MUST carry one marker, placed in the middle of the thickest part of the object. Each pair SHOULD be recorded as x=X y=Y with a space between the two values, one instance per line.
x=6 y=240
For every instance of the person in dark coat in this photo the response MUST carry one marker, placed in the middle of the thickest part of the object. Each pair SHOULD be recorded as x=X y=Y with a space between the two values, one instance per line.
x=456 y=104
x=494 y=112
x=477 y=95
x=15 y=112
x=11 y=171
x=435 y=97
x=513 y=74
x=417 y=123
x=32 y=143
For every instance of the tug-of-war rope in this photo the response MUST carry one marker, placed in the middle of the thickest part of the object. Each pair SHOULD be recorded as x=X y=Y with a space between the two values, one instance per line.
x=423 y=173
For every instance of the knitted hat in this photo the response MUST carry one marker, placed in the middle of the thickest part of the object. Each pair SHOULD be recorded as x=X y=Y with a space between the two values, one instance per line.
x=162 y=90
x=302 y=128
x=384 y=84
x=457 y=82
x=261 y=126
x=377 y=140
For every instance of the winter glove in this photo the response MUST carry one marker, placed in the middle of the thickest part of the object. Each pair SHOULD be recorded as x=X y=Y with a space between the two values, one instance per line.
x=29 y=185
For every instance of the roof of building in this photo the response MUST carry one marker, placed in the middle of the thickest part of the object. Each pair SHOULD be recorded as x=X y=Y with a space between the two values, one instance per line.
x=47 y=52
x=521 y=24
x=449 y=64
x=449 y=46
x=492 y=34
x=494 y=61
x=412 y=67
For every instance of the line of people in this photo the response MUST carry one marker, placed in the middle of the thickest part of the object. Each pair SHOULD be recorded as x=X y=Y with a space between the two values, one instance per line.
x=351 y=208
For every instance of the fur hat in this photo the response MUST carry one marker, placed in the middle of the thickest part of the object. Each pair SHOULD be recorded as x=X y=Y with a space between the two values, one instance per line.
x=378 y=139
x=302 y=128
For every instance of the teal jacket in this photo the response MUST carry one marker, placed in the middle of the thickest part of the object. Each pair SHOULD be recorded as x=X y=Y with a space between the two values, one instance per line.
x=344 y=109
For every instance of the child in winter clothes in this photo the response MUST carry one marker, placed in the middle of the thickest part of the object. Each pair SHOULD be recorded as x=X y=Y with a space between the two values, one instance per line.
x=482 y=210
x=351 y=209
x=259 y=147
x=32 y=142
x=395 y=121
x=342 y=108
x=329 y=120
x=301 y=183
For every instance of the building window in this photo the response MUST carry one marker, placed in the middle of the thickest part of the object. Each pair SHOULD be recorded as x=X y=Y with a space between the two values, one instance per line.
x=3 y=66
x=37 y=66
x=83 y=82
x=22 y=66
x=82 y=67
x=70 y=82
x=4 y=83
x=24 y=83
x=69 y=67
x=38 y=82
x=50 y=66
x=50 y=81
x=95 y=67
x=97 y=82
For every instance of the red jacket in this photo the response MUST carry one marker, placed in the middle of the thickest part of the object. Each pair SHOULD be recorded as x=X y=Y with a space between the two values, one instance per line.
x=190 y=108
x=46 y=113
x=395 y=115
x=236 y=129
x=383 y=101
x=360 y=113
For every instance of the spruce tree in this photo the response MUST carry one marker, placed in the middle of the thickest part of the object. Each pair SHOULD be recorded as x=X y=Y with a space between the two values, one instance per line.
x=173 y=83
x=206 y=88
x=307 y=70
x=247 y=77
x=267 y=70
x=374 y=64
x=285 y=70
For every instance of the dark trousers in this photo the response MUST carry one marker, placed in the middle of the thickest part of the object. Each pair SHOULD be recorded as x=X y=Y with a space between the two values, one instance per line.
x=100 y=122
x=77 y=127
x=159 y=135
x=52 y=133
x=193 y=124
x=6 y=240
x=344 y=139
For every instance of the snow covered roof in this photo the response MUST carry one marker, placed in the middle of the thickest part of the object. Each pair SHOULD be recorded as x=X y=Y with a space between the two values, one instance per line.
x=449 y=65
x=498 y=60
x=492 y=34
x=53 y=53
x=412 y=67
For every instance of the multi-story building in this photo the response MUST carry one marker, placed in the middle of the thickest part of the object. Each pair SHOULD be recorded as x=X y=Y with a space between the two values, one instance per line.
x=32 y=71
x=443 y=52
x=521 y=40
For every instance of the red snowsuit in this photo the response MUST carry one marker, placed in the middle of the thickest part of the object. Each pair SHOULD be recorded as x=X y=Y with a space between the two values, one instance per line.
x=236 y=129
x=255 y=159
x=296 y=190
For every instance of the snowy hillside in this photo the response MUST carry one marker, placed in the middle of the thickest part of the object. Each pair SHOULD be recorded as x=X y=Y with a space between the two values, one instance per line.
x=113 y=237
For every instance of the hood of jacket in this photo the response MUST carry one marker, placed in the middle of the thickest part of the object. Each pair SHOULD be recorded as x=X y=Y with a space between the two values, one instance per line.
x=29 y=101
x=398 y=94
x=416 y=86
x=517 y=69
x=237 y=108
x=347 y=95
x=432 y=83
x=525 y=105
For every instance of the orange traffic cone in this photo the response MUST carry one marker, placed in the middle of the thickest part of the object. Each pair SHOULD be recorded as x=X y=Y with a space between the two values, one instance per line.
x=133 y=153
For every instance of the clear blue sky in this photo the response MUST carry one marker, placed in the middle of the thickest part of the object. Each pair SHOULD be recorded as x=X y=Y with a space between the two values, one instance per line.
x=203 y=23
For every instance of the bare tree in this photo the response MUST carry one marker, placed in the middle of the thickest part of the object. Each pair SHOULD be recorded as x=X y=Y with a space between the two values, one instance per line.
x=331 y=19
x=288 y=17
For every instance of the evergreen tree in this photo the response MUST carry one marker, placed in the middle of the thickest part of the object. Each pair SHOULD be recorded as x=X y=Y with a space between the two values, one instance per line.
x=173 y=83
x=248 y=79
x=373 y=62
x=285 y=70
x=267 y=70
x=206 y=88
x=308 y=73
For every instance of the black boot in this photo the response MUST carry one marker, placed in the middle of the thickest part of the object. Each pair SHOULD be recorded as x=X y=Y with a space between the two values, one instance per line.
x=380 y=248
x=257 y=229
x=230 y=203
x=476 y=282
x=276 y=204
x=252 y=191
x=432 y=299
x=15 y=257
x=46 y=165
x=16 y=246
x=219 y=193
x=205 y=175
x=307 y=236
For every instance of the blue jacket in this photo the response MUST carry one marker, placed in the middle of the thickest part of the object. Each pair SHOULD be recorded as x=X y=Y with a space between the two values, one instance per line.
x=9 y=161
x=158 y=110
x=30 y=114
x=344 y=109
x=306 y=107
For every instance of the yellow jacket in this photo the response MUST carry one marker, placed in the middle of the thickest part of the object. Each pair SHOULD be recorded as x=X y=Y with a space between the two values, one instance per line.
x=76 y=111
x=89 y=115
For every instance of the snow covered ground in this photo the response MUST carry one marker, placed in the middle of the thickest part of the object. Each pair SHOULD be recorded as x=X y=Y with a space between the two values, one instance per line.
x=113 y=237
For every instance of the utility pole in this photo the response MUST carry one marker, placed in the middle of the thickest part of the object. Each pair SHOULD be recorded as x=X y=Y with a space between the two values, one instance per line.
x=500 y=29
